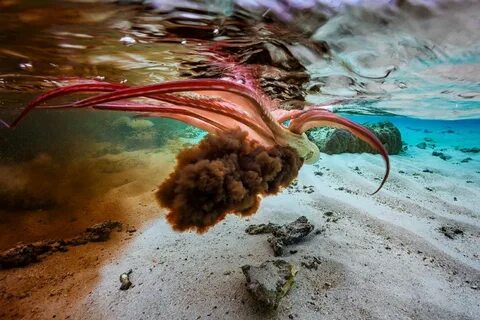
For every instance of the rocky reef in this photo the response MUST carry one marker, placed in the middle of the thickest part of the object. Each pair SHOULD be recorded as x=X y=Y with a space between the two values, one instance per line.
x=334 y=141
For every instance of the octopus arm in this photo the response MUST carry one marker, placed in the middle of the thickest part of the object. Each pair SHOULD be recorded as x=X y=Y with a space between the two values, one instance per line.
x=322 y=118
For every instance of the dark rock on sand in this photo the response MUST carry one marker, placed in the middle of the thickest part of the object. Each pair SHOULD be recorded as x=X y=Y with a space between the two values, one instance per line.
x=284 y=235
x=261 y=228
x=310 y=262
x=422 y=145
x=470 y=150
x=270 y=282
x=451 y=232
x=291 y=233
x=334 y=141
x=25 y=254
x=99 y=232
x=466 y=160
x=441 y=155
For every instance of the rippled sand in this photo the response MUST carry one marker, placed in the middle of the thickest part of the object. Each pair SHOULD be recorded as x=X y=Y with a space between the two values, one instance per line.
x=382 y=256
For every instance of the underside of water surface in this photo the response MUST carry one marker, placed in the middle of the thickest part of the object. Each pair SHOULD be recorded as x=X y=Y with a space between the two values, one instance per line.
x=415 y=60
x=407 y=70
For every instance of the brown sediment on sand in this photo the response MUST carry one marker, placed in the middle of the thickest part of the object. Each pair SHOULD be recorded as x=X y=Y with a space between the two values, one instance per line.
x=55 y=286
x=118 y=187
x=24 y=254
x=51 y=198
x=224 y=174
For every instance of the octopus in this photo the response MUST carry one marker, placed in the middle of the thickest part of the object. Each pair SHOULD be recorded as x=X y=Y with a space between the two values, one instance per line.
x=253 y=148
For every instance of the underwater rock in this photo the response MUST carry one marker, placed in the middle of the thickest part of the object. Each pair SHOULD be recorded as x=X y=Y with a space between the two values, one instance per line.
x=261 y=228
x=441 y=155
x=270 y=282
x=448 y=131
x=284 y=235
x=335 y=141
x=99 y=232
x=311 y=262
x=422 y=145
x=25 y=254
x=291 y=233
x=451 y=232
x=470 y=150
x=466 y=160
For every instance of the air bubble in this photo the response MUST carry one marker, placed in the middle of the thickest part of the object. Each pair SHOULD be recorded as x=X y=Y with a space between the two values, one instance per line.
x=128 y=41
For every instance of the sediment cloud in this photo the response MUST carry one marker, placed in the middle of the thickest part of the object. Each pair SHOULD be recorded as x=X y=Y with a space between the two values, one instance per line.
x=224 y=174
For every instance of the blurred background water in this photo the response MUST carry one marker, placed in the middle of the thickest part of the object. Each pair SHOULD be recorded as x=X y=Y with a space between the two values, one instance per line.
x=414 y=63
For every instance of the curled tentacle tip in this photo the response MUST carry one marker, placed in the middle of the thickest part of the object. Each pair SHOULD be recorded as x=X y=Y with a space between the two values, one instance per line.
x=5 y=124
x=387 y=172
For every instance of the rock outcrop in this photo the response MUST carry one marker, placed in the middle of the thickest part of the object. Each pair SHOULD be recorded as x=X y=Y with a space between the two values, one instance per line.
x=334 y=141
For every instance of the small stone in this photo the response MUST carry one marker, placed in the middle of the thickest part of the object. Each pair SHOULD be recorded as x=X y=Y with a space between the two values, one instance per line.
x=284 y=235
x=422 y=145
x=470 y=150
x=451 y=232
x=270 y=282
x=311 y=262
x=125 y=280
x=441 y=155
x=261 y=228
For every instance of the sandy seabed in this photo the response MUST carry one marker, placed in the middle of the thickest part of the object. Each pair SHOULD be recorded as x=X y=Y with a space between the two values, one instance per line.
x=382 y=257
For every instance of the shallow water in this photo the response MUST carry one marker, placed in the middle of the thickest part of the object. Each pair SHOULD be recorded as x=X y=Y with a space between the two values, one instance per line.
x=415 y=63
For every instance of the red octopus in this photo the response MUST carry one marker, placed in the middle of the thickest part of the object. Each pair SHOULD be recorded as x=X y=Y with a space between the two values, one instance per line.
x=219 y=107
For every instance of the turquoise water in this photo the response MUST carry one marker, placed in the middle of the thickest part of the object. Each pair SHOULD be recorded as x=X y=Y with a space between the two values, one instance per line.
x=446 y=133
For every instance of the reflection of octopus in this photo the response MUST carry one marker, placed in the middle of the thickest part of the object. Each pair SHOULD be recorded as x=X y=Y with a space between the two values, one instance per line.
x=249 y=152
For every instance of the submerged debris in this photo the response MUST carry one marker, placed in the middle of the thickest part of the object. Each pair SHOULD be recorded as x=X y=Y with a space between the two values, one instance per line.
x=270 y=282
x=282 y=236
x=125 y=280
x=25 y=254
x=261 y=228
x=311 y=262
x=422 y=145
x=470 y=150
x=441 y=155
x=451 y=232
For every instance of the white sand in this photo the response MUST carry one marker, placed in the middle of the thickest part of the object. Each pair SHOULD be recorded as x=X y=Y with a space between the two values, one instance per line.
x=383 y=258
